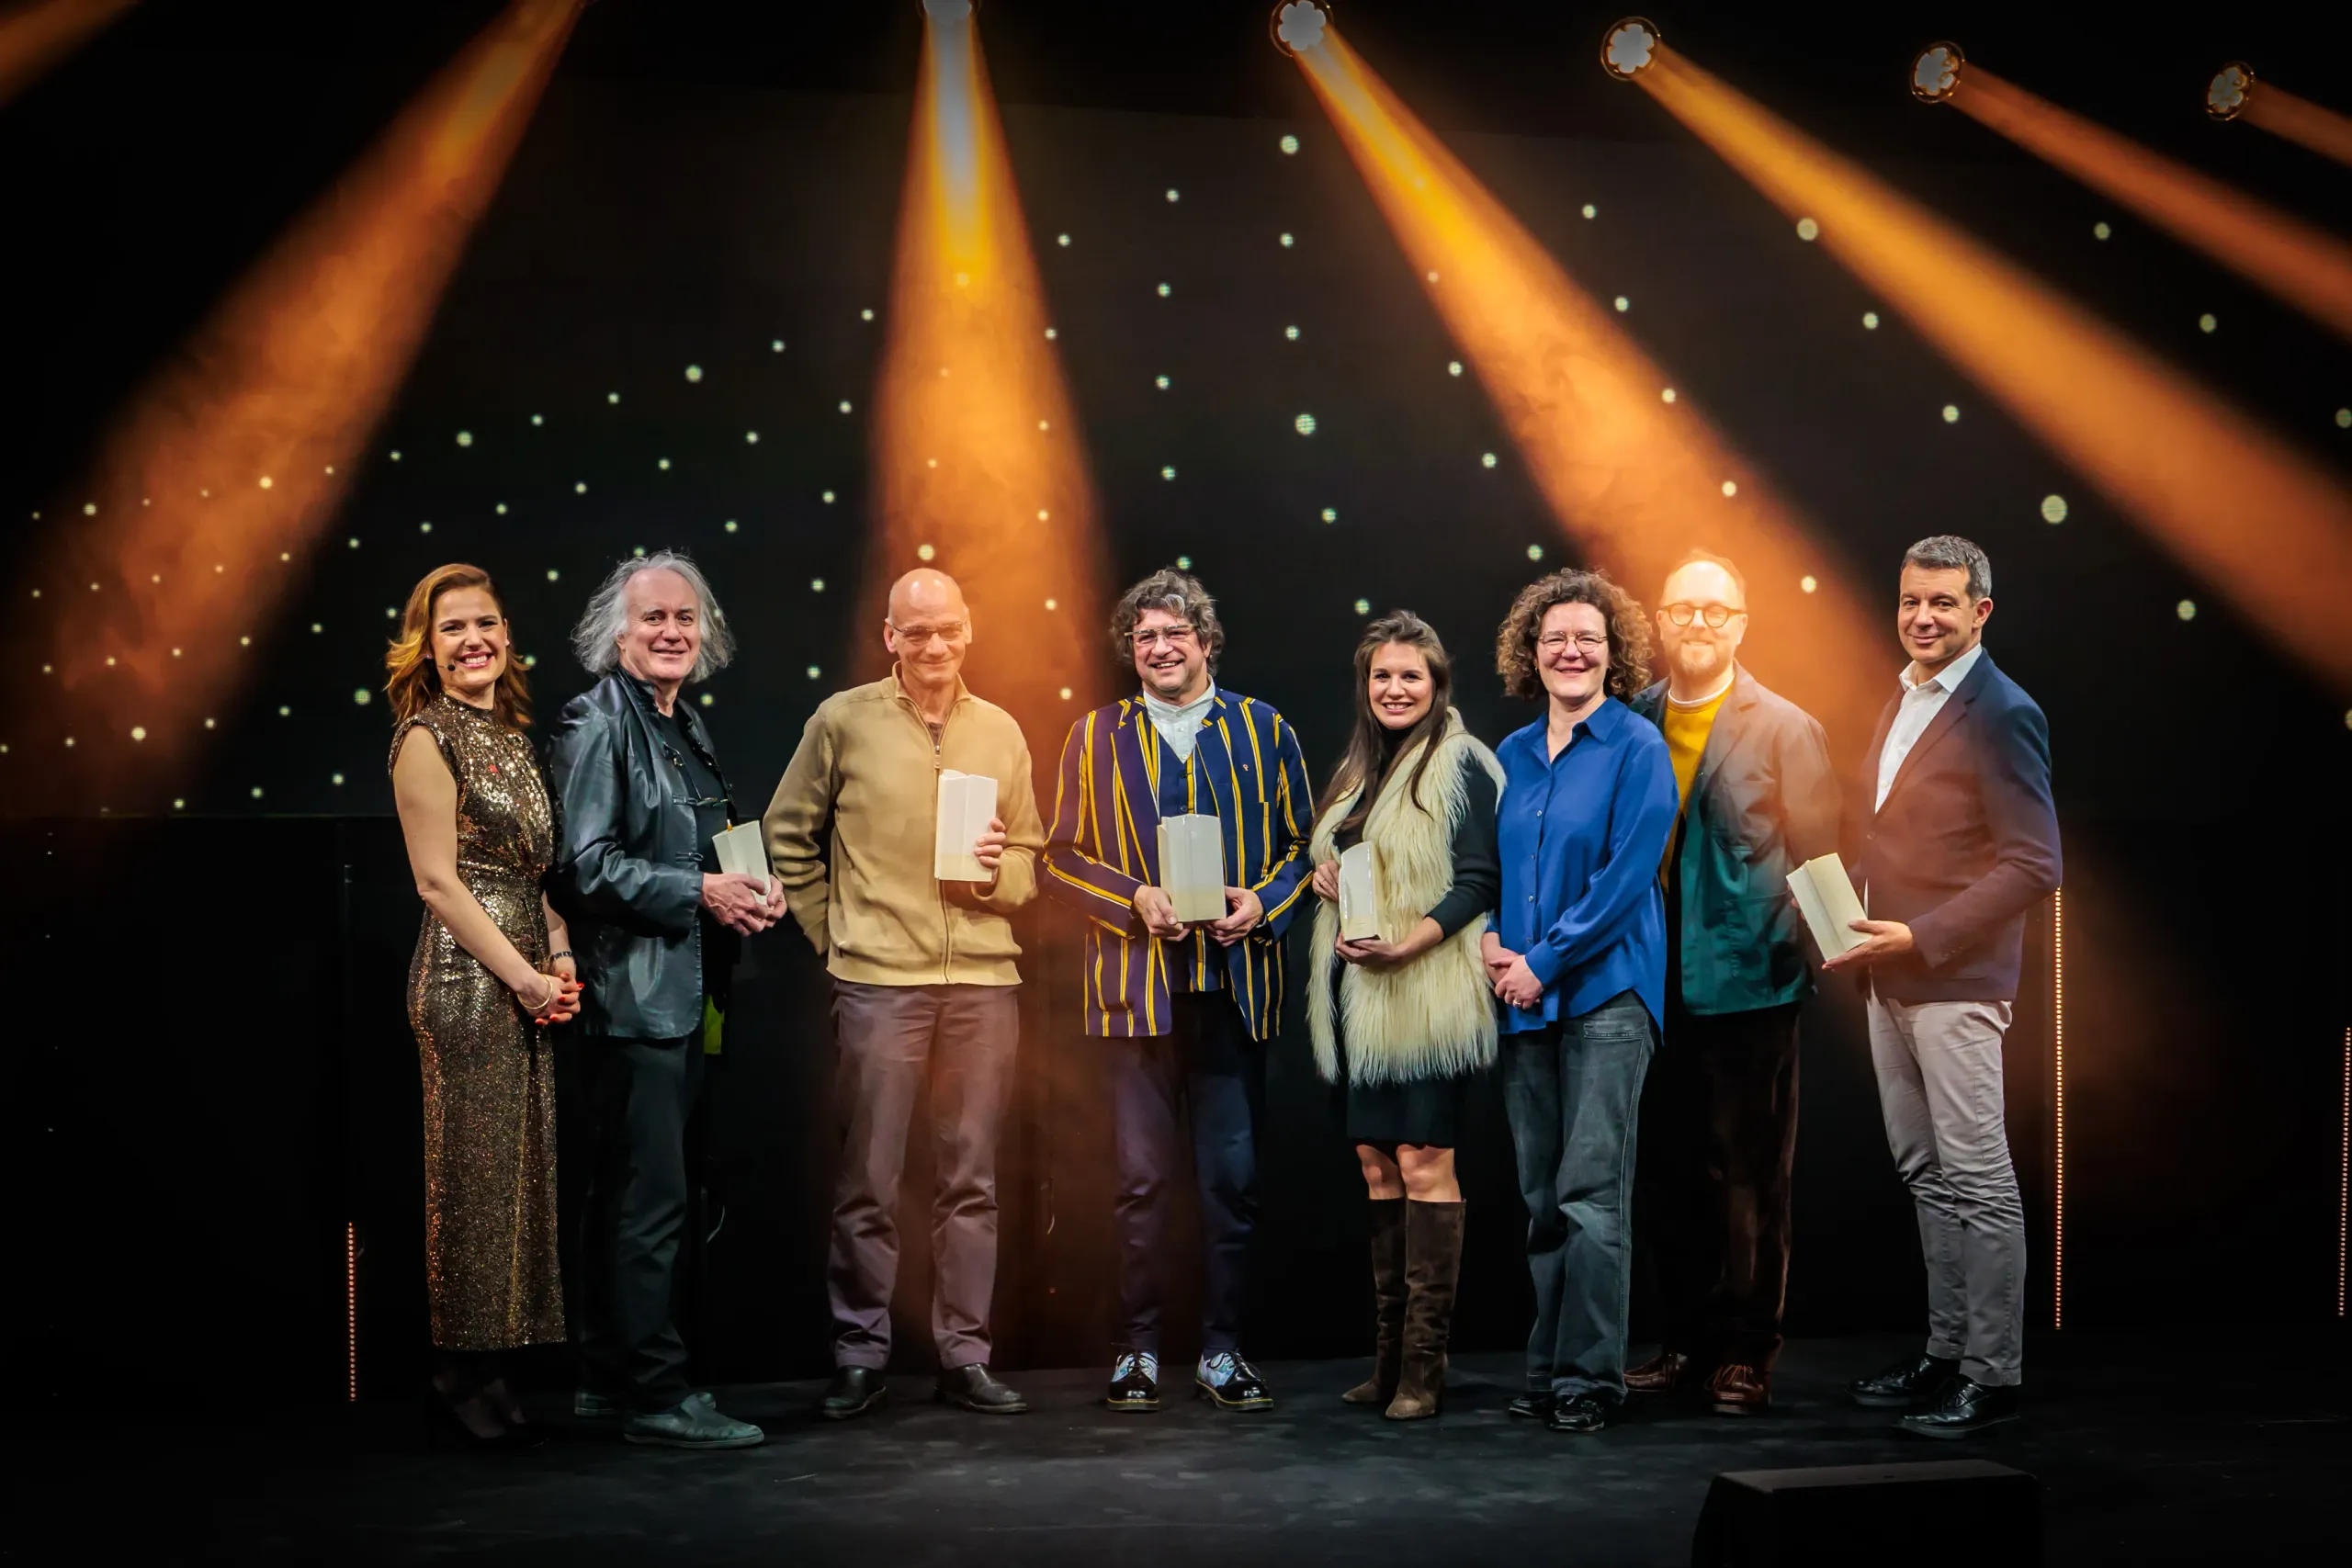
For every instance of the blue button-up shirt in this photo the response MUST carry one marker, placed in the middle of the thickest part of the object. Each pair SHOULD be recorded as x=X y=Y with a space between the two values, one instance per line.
x=1582 y=836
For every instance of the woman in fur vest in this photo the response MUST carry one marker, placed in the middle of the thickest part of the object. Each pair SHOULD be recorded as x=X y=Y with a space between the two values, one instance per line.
x=1404 y=1019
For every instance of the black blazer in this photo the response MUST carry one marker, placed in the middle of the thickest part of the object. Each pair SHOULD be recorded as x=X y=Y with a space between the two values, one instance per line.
x=628 y=872
x=1966 y=842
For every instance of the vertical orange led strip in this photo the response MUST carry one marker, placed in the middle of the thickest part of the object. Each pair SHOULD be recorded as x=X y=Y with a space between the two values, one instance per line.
x=1628 y=467
x=2344 y=1175
x=2058 y=1101
x=981 y=472
x=350 y=1310
x=2234 y=503
x=220 y=475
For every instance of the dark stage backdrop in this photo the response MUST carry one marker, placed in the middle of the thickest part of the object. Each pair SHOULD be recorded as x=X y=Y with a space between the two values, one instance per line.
x=220 y=1076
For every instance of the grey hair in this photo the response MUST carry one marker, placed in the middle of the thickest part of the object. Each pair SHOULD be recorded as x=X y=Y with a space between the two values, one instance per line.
x=1950 y=552
x=1179 y=593
x=596 y=639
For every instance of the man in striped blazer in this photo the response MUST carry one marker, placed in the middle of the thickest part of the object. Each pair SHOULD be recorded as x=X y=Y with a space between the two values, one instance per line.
x=1185 y=1010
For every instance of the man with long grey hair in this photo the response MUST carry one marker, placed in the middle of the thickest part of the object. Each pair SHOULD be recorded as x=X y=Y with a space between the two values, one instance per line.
x=658 y=926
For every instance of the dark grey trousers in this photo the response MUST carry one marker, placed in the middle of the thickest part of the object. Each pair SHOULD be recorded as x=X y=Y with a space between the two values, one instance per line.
x=639 y=1095
x=891 y=1038
x=1571 y=1090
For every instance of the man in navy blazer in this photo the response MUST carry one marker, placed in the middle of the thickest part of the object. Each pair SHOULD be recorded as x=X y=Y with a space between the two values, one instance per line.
x=1960 y=840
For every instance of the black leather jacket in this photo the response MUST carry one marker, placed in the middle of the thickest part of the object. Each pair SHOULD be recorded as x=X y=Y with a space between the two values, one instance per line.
x=628 y=872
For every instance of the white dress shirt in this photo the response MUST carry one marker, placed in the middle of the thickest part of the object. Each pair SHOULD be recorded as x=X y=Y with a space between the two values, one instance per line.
x=1179 y=726
x=1922 y=700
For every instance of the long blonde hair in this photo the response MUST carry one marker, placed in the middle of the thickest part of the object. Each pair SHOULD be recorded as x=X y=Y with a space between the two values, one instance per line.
x=413 y=679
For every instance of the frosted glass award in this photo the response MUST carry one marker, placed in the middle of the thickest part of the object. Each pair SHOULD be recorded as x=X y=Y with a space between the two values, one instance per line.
x=1825 y=894
x=743 y=852
x=1192 y=866
x=967 y=806
x=1359 y=904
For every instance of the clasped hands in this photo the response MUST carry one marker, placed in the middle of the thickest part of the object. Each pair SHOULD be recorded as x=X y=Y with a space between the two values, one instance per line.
x=737 y=903
x=1508 y=973
x=1158 y=913
x=562 y=1003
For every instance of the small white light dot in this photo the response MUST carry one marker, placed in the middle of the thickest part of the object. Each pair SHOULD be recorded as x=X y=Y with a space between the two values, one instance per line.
x=1331 y=514
x=138 y=732
x=361 y=696
x=612 y=397
x=1171 y=193
x=353 y=542
x=1053 y=604
x=2053 y=509
x=1061 y=240
x=924 y=552
x=1288 y=242
x=813 y=671
x=580 y=488
x=1306 y=424
x=1045 y=424
x=501 y=506
x=109 y=660
x=816 y=585
x=1289 y=143
x=316 y=629
x=1870 y=321
x=465 y=438
x=396 y=456
x=176 y=653
x=866 y=315
x=1066 y=698
x=2186 y=609
x=1432 y=274
x=1622 y=303
x=1183 y=563
x=244 y=642
x=1731 y=487
x=391 y=614
x=209 y=724
x=1590 y=210
x=1808 y=582
x=752 y=437
x=1453 y=368
x=729 y=525
x=694 y=372
x=1160 y=382
x=1534 y=552
x=2101 y=230
x=775 y=345
x=179 y=806
x=930 y=462
x=336 y=780
x=424 y=527
x=1051 y=335
x=69 y=740
x=1487 y=458
x=536 y=418
x=284 y=711
x=1666 y=396
x=1807 y=229
x=1951 y=414
x=1165 y=291
x=1169 y=472
x=552 y=574
x=828 y=498
x=329 y=470
x=256 y=792
x=844 y=405
x=1042 y=515
x=708 y=699
x=661 y=463
x=1291 y=333
x=2344 y=419
x=89 y=509
x=2206 y=323
x=638 y=551
x=266 y=481
x=1363 y=606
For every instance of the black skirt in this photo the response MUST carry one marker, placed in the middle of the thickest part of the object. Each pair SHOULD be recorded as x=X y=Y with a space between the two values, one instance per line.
x=1418 y=1111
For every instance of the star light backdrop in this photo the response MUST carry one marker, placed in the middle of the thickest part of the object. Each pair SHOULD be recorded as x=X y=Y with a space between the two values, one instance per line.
x=674 y=327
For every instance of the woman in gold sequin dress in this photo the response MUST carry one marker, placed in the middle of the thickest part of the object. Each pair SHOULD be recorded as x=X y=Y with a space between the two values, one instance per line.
x=491 y=972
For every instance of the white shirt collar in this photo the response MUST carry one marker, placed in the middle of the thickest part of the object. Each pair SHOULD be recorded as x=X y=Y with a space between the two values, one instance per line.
x=1161 y=708
x=1949 y=677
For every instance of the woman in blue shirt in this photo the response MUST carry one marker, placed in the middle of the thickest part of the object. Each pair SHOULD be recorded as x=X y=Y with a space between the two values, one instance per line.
x=1578 y=956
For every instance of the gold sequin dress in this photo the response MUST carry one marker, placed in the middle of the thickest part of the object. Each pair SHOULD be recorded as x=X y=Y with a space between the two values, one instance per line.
x=490 y=1219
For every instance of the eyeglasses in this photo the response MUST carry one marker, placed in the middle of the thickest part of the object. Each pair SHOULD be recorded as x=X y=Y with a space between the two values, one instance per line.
x=1174 y=637
x=923 y=636
x=1591 y=645
x=1716 y=615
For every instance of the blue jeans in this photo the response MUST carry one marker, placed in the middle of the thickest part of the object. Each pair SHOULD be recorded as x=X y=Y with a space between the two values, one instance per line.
x=1205 y=1071
x=1571 y=1090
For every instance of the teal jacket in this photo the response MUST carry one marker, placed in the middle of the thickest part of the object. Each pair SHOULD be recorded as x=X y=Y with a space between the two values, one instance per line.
x=1763 y=803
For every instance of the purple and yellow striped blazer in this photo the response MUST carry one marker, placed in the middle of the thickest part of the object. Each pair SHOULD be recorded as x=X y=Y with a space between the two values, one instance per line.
x=1105 y=843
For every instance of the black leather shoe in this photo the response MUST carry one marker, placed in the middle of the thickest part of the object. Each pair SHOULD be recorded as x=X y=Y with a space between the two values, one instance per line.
x=1133 y=1387
x=975 y=1388
x=1533 y=1405
x=854 y=1392
x=1584 y=1413
x=1965 y=1407
x=1904 y=1384
x=1241 y=1390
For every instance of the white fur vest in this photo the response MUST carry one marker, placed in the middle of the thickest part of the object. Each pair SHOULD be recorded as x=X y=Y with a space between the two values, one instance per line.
x=1433 y=1017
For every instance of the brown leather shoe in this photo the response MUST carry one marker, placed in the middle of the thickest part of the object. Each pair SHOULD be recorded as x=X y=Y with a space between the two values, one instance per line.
x=1662 y=1373
x=1736 y=1390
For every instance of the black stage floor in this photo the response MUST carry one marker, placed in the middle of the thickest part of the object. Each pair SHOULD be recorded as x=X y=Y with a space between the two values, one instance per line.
x=2143 y=1460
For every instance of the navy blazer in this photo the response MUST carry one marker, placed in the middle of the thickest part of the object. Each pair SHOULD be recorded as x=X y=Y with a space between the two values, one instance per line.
x=1965 y=844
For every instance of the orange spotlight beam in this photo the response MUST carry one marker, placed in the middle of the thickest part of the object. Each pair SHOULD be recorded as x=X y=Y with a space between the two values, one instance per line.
x=1638 y=480
x=2232 y=503
x=2308 y=269
x=977 y=452
x=206 y=499
x=2282 y=113
x=36 y=36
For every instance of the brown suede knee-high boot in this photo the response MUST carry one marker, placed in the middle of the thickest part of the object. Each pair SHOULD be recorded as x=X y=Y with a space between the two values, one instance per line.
x=1388 y=1303
x=1432 y=1267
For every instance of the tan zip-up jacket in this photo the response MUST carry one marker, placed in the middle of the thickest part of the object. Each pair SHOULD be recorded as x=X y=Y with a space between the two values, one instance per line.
x=850 y=835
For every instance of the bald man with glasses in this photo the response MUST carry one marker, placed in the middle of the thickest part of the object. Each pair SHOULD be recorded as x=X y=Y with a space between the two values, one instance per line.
x=1719 y=1116
x=926 y=983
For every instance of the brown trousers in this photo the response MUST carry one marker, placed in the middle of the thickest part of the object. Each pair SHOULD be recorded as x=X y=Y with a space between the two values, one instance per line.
x=1718 y=1141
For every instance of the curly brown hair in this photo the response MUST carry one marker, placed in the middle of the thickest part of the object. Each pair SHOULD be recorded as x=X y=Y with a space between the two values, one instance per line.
x=1629 y=632
x=1179 y=593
